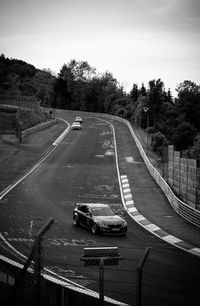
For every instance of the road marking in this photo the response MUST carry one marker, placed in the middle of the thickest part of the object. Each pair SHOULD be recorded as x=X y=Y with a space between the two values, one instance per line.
x=129 y=159
x=125 y=185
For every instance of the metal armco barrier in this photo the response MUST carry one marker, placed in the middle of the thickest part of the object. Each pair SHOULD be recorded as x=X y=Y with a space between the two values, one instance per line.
x=189 y=213
x=38 y=127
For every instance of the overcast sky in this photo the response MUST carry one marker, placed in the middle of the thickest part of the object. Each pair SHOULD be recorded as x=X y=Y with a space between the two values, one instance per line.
x=136 y=40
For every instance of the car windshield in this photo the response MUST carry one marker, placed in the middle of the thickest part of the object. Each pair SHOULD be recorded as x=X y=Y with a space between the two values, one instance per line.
x=102 y=211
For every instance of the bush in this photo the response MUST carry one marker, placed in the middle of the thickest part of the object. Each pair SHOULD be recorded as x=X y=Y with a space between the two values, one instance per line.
x=158 y=141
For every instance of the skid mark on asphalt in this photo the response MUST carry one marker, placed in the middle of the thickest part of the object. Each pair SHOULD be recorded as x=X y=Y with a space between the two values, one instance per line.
x=56 y=241
x=71 y=274
x=103 y=197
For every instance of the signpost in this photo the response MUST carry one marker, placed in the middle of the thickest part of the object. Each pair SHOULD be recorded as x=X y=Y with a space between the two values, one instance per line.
x=101 y=257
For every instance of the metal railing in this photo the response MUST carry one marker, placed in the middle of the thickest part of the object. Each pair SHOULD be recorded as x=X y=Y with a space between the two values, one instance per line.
x=187 y=212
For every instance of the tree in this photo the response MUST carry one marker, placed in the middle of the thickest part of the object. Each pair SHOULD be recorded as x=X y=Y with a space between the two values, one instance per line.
x=187 y=104
x=183 y=136
x=64 y=87
x=81 y=70
x=138 y=114
x=44 y=83
x=155 y=100
x=134 y=93
x=121 y=106
x=143 y=90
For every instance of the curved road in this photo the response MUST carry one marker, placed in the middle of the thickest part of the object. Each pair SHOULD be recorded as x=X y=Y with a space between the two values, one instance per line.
x=83 y=169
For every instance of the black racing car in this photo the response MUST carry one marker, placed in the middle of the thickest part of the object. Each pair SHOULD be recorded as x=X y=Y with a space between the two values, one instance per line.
x=100 y=218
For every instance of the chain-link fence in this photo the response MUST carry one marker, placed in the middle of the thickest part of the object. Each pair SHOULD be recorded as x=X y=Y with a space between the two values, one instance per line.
x=53 y=274
x=22 y=102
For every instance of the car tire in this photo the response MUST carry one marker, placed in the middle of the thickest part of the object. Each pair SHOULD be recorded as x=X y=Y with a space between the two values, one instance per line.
x=94 y=229
x=76 y=220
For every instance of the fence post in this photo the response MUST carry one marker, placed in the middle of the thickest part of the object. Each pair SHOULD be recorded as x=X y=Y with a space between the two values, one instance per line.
x=101 y=282
x=139 y=277
x=37 y=272
x=35 y=255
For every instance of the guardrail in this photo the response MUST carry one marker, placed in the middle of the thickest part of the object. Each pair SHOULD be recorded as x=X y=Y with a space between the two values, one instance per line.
x=38 y=127
x=187 y=212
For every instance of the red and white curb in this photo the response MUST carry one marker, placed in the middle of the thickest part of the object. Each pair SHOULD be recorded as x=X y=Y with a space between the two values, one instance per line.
x=148 y=225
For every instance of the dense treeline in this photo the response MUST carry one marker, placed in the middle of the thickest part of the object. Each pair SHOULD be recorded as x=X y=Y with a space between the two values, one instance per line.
x=79 y=86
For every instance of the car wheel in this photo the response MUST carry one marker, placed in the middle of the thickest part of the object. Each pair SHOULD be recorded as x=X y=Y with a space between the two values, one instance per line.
x=76 y=220
x=94 y=229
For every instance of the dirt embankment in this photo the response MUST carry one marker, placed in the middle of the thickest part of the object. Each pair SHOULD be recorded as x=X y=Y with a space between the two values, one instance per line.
x=16 y=158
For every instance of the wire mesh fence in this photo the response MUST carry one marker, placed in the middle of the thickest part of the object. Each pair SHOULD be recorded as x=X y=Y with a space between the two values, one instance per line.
x=52 y=273
x=23 y=102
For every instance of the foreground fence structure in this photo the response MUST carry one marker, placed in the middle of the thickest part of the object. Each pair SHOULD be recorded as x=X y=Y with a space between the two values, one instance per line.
x=147 y=282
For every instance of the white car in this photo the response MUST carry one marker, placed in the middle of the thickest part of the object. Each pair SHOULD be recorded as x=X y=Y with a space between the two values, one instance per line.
x=76 y=126
x=79 y=119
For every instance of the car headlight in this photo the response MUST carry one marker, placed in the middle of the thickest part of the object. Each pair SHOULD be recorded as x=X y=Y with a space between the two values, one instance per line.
x=101 y=224
x=124 y=223
x=104 y=225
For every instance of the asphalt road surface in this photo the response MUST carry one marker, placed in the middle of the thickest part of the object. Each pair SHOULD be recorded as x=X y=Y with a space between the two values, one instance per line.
x=83 y=169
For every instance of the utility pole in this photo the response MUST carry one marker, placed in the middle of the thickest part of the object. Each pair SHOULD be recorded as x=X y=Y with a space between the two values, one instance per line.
x=146 y=110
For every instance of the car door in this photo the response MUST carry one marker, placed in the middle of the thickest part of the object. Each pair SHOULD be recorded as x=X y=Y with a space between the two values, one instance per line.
x=84 y=215
x=87 y=216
